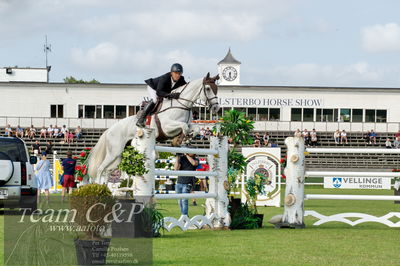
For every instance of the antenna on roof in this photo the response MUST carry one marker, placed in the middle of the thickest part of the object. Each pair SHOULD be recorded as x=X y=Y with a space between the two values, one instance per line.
x=47 y=49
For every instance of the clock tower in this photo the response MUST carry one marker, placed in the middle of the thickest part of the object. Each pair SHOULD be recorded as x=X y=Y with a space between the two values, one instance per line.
x=229 y=70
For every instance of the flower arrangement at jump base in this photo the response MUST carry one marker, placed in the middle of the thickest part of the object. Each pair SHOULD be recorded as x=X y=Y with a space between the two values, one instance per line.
x=82 y=168
x=283 y=166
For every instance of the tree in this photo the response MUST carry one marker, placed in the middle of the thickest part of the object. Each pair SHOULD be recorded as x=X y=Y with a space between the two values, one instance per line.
x=71 y=79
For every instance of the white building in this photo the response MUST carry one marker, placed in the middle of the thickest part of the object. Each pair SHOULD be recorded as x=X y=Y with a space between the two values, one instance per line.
x=273 y=107
x=24 y=74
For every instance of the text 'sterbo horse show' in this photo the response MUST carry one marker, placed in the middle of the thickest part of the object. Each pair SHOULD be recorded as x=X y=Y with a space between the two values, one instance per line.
x=175 y=118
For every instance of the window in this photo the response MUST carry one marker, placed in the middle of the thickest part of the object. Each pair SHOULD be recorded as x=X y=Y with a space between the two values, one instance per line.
x=133 y=110
x=80 y=111
x=98 y=111
x=89 y=111
x=296 y=114
x=344 y=115
x=308 y=114
x=120 y=111
x=381 y=116
x=262 y=114
x=56 y=111
x=274 y=114
x=356 y=115
x=252 y=113
x=108 y=111
x=369 y=115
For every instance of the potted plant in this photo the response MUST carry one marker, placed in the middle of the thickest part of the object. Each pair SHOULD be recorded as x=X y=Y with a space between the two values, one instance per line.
x=254 y=186
x=237 y=127
x=92 y=203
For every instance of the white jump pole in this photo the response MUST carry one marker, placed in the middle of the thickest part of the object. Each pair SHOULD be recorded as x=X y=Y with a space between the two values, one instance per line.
x=186 y=150
x=218 y=205
x=350 y=197
x=293 y=216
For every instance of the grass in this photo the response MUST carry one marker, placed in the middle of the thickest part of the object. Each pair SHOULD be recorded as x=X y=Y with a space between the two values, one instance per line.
x=328 y=244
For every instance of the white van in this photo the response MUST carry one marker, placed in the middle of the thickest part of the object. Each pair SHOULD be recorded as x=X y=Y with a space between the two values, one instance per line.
x=18 y=187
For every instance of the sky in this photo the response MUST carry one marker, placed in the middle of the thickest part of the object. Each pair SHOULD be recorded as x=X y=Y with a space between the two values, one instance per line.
x=279 y=42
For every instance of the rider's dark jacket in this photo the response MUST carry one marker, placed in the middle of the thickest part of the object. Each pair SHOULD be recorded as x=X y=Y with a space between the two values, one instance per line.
x=162 y=84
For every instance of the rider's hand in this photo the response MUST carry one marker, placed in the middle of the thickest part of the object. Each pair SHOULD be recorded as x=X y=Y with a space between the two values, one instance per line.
x=174 y=95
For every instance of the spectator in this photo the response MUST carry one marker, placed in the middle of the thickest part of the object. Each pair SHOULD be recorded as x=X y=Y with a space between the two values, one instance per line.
x=78 y=132
x=32 y=132
x=274 y=144
x=19 y=132
x=64 y=129
x=43 y=178
x=306 y=136
x=184 y=184
x=314 y=138
x=203 y=182
x=8 y=131
x=372 y=137
x=66 y=136
x=397 y=135
x=366 y=136
x=68 y=166
x=396 y=143
x=50 y=131
x=202 y=133
x=43 y=132
x=36 y=148
x=207 y=133
x=27 y=133
x=343 y=136
x=266 y=139
x=257 y=140
x=388 y=144
x=70 y=137
x=336 y=136
x=56 y=131
x=49 y=148
x=297 y=134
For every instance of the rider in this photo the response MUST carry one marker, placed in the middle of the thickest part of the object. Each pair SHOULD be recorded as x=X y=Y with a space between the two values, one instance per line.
x=161 y=87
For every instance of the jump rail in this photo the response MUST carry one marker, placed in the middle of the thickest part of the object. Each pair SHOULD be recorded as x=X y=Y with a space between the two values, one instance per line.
x=217 y=215
x=293 y=216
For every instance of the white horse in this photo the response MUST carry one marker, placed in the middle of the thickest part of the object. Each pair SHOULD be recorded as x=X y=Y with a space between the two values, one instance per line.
x=174 y=116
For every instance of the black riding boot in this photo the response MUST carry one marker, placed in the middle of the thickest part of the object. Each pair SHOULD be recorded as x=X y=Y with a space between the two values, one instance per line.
x=146 y=111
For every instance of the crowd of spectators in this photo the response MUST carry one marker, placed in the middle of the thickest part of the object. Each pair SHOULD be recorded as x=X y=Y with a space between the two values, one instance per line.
x=310 y=137
x=32 y=133
x=264 y=141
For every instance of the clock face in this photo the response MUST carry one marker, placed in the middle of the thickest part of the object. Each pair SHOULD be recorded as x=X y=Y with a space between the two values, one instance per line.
x=229 y=73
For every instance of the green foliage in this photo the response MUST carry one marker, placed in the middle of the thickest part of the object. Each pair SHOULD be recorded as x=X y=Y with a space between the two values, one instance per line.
x=72 y=80
x=254 y=186
x=132 y=162
x=164 y=155
x=88 y=196
x=236 y=160
x=237 y=127
x=152 y=216
x=244 y=218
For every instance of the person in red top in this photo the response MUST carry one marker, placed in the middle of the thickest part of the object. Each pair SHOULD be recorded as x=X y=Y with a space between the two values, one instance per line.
x=397 y=135
x=203 y=182
x=68 y=166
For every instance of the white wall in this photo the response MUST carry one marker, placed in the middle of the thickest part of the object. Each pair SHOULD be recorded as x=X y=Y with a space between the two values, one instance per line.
x=24 y=75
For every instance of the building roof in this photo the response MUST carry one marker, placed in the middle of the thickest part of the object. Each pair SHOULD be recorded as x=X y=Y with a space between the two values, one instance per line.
x=229 y=59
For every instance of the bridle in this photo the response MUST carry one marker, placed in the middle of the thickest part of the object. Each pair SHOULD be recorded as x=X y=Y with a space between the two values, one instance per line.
x=191 y=102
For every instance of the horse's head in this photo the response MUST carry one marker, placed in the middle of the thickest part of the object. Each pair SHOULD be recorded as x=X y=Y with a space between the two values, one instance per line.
x=210 y=92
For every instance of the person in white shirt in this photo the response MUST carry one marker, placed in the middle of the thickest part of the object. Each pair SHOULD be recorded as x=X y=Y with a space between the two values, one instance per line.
x=343 y=136
x=313 y=136
x=50 y=131
x=8 y=131
x=388 y=144
x=202 y=133
x=336 y=136
x=64 y=130
x=43 y=132
x=32 y=132
x=56 y=131
x=298 y=134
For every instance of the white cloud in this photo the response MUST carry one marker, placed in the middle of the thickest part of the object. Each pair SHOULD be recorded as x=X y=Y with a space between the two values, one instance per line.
x=381 y=38
x=313 y=74
x=118 y=61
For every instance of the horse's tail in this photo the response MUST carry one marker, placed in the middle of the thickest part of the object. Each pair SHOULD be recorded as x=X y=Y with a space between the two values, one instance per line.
x=97 y=156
